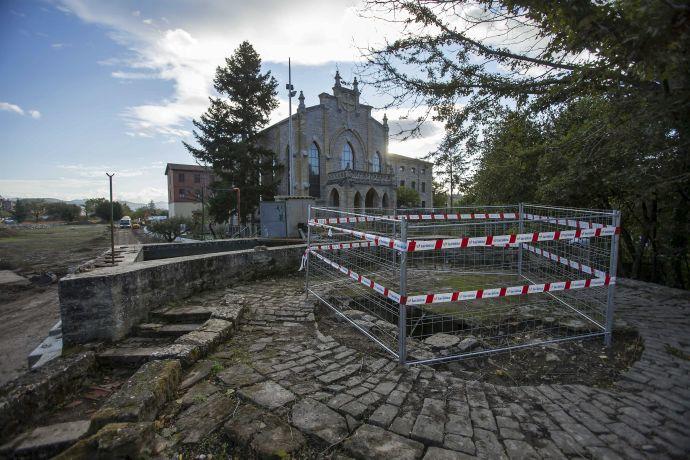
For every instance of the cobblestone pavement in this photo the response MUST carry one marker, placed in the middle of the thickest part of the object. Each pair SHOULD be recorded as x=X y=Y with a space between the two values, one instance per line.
x=302 y=391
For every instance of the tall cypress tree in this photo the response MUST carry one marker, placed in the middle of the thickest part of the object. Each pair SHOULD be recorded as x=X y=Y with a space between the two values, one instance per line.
x=226 y=134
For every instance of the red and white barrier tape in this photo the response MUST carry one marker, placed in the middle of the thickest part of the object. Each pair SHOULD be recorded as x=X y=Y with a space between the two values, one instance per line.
x=570 y=263
x=566 y=222
x=331 y=247
x=460 y=216
x=384 y=291
x=508 y=291
x=468 y=295
x=490 y=240
x=433 y=216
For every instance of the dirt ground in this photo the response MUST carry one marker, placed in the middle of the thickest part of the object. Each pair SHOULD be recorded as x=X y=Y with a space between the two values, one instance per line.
x=28 y=314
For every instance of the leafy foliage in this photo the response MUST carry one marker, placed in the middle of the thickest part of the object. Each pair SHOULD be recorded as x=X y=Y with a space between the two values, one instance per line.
x=64 y=211
x=576 y=103
x=170 y=228
x=407 y=197
x=102 y=210
x=440 y=196
x=226 y=134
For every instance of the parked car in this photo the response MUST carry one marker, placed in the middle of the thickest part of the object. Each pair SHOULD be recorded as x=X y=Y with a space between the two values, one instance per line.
x=9 y=221
x=126 y=222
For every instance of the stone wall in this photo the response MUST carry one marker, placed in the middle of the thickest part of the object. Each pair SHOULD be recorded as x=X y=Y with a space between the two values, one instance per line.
x=168 y=250
x=105 y=304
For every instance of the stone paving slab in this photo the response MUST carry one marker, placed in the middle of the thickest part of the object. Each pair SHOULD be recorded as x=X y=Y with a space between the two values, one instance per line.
x=353 y=404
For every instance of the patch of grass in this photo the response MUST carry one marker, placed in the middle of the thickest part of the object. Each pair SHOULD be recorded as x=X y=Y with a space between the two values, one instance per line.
x=217 y=367
x=54 y=248
x=677 y=352
x=200 y=398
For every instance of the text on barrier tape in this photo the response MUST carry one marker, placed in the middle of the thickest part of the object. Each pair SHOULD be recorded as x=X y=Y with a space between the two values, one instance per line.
x=458 y=296
x=490 y=240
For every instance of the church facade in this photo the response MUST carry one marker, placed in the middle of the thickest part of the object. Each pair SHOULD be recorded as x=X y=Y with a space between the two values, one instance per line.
x=341 y=154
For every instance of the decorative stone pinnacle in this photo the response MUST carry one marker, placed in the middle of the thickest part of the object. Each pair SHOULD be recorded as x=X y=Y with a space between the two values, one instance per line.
x=354 y=85
x=337 y=79
x=301 y=106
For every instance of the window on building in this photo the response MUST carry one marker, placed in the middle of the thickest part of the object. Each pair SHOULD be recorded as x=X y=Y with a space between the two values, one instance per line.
x=414 y=185
x=347 y=160
x=402 y=169
x=423 y=204
x=183 y=193
x=402 y=183
x=423 y=171
x=423 y=187
x=376 y=163
x=414 y=170
x=180 y=177
x=314 y=171
x=197 y=178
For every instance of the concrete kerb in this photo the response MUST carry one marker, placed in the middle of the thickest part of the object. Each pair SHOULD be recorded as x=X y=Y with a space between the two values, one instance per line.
x=105 y=304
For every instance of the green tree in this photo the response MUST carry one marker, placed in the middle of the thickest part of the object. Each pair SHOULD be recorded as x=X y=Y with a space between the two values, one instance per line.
x=407 y=197
x=37 y=208
x=226 y=134
x=102 y=211
x=63 y=211
x=22 y=210
x=91 y=204
x=625 y=60
x=440 y=195
x=171 y=228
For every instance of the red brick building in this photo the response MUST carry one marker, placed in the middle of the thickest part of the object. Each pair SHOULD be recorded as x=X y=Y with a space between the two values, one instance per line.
x=185 y=184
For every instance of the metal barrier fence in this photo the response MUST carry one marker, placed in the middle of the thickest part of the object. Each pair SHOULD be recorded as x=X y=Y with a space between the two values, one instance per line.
x=450 y=284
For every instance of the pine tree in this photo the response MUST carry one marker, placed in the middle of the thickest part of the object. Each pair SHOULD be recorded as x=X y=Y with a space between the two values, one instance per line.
x=227 y=133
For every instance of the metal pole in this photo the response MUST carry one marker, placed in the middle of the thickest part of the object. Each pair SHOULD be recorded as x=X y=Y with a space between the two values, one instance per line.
x=112 y=227
x=522 y=230
x=613 y=266
x=239 y=213
x=203 y=220
x=291 y=164
x=402 y=315
x=306 y=262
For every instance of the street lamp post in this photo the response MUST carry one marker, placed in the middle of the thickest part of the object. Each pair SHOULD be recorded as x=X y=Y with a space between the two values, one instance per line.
x=112 y=225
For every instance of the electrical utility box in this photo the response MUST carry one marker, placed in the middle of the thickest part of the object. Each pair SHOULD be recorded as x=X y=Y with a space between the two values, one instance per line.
x=285 y=216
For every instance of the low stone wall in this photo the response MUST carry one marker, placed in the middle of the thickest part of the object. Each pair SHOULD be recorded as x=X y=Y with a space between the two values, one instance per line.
x=168 y=250
x=25 y=399
x=105 y=304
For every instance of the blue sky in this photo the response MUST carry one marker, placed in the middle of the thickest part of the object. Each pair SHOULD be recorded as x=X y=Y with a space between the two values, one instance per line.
x=88 y=87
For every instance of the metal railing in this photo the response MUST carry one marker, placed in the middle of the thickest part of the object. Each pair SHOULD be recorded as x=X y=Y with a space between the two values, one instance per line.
x=438 y=285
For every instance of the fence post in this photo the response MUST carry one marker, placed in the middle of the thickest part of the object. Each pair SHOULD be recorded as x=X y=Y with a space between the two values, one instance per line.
x=521 y=211
x=613 y=266
x=402 y=316
x=306 y=262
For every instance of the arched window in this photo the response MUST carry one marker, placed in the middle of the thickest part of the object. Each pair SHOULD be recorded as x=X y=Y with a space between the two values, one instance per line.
x=314 y=171
x=347 y=160
x=376 y=163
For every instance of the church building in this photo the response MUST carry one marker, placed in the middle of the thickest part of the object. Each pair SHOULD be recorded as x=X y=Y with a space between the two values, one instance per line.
x=341 y=155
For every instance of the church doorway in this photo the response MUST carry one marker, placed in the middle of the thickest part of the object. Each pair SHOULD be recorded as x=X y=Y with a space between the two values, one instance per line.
x=371 y=200
x=358 y=201
x=384 y=201
x=334 y=198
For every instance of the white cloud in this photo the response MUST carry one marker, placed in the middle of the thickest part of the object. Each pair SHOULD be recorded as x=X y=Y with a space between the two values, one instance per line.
x=7 y=107
x=190 y=42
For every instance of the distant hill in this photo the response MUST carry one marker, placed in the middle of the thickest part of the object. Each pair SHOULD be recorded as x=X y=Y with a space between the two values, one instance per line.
x=80 y=202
